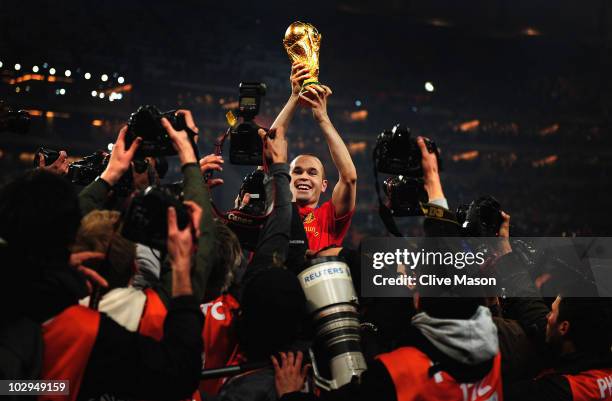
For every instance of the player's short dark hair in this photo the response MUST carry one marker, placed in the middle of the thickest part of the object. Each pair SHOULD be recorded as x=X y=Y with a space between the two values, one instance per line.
x=316 y=157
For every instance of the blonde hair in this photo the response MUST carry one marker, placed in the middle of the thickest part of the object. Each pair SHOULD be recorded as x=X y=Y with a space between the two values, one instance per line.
x=99 y=232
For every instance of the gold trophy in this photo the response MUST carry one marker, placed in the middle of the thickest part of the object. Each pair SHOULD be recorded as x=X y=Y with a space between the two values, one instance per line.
x=302 y=42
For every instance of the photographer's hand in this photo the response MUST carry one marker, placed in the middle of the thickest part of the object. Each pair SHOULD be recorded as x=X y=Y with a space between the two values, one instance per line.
x=275 y=145
x=180 y=139
x=120 y=158
x=180 y=249
x=431 y=174
x=504 y=235
x=77 y=261
x=59 y=167
x=289 y=375
x=212 y=162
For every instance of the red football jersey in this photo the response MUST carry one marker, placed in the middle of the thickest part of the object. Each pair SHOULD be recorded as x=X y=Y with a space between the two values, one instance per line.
x=323 y=228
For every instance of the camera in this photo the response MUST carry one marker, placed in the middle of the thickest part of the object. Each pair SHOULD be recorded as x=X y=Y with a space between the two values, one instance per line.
x=146 y=123
x=145 y=219
x=481 y=218
x=253 y=184
x=17 y=121
x=397 y=152
x=404 y=195
x=332 y=303
x=246 y=147
x=84 y=171
x=49 y=155
x=247 y=220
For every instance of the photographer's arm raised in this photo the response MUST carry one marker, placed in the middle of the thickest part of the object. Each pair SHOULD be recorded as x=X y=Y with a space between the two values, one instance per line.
x=345 y=191
x=431 y=175
x=195 y=190
x=273 y=244
x=94 y=195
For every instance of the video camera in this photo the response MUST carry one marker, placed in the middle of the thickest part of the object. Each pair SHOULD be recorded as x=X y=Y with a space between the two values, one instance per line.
x=246 y=147
x=13 y=121
x=146 y=123
x=145 y=220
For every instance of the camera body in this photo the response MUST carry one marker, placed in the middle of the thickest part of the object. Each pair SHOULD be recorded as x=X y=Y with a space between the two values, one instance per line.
x=145 y=219
x=404 y=195
x=49 y=155
x=146 y=123
x=246 y=147
x=84 y=171
x=481 y=218
x=253 y=184
x=397 y=152
x=17 y=121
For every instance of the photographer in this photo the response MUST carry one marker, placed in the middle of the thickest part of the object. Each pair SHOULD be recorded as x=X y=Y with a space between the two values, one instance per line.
x=266 y=284
x=578 y=337
x=84 y=346
x=325 y=224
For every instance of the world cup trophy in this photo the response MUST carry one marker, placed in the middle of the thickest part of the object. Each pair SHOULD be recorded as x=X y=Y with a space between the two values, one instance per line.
x=302 y=42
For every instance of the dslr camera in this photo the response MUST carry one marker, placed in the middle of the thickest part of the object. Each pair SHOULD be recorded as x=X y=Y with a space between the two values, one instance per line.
x=246 y=147
x=397 y=152
x=49 y=155
x=247 y=220
x=17 y=121
x=145 y=219
x=481 y=218
x=146 y=123
x=253 y=184
x=84 y=171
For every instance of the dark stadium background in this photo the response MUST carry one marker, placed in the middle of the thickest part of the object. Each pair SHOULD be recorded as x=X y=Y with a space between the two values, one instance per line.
x=520 y=106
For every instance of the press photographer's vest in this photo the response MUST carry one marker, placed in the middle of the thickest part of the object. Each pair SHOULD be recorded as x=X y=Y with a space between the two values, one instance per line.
x=595 y=384
x=220 y=341
x=68 y=340
x=409 y=369
x=152 y=322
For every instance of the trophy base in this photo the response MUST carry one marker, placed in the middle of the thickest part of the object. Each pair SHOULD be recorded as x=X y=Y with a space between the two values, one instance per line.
x=307 y=93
